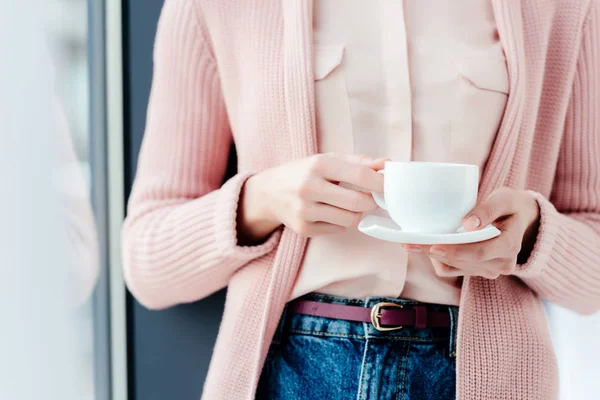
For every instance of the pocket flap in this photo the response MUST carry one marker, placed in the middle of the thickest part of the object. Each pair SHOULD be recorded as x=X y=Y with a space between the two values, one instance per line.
x=326 y=59
x=485 y=73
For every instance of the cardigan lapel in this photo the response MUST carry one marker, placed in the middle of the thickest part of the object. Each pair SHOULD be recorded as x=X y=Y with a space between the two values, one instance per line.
x=300 y=110
x=496 y=173
x=298 y=75
x=510 y=27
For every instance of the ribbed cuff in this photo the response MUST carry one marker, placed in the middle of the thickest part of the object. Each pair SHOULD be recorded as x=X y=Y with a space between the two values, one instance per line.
x=225 y=224
x=545 y=240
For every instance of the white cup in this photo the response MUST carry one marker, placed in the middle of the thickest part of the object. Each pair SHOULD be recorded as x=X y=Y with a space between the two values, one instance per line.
x=423 y=197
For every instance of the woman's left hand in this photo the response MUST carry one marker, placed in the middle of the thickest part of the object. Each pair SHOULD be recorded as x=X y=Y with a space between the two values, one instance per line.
x=515 y=213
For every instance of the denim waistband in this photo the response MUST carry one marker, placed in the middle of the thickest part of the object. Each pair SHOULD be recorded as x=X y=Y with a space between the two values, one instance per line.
x=320 y=326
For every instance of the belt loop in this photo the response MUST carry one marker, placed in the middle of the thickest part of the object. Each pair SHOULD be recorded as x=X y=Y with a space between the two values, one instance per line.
x=453 y=330
x=280 y=326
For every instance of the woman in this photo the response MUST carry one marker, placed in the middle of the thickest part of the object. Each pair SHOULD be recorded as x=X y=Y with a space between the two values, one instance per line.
x=510 y=85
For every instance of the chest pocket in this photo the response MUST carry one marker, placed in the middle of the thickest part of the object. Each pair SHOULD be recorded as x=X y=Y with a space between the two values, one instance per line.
x=334 y=119
x=485 y=74
x=481 y=95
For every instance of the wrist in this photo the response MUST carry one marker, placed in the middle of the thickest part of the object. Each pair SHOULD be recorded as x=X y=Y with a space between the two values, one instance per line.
x=531 y=230
x=255 y=221
x=534 y=219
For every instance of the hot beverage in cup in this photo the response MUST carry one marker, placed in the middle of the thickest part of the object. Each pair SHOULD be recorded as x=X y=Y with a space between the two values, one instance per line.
x=423 y=197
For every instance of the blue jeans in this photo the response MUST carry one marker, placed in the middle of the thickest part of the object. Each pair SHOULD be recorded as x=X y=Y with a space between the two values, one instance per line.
x=321 y=358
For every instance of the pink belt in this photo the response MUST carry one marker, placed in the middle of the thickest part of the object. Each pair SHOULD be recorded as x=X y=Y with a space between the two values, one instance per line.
x=383 y=316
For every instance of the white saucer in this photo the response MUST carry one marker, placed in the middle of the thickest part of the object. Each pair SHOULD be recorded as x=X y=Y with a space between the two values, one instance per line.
x=385 y=228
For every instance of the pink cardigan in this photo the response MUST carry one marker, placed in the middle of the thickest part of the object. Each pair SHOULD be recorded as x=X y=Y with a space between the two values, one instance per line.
x=231 y=70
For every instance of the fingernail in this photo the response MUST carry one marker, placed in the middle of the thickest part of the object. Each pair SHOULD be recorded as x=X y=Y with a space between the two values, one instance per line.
x=473 y=221
x=413 y=249
x=438 y=252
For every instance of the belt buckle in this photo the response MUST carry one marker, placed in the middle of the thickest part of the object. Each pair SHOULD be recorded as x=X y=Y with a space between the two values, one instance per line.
x=376 y=317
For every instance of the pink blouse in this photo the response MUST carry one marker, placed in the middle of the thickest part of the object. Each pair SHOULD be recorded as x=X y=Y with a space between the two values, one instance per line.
x=397 y=79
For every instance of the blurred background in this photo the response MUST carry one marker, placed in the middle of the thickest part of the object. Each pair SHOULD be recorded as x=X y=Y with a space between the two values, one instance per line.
x=75 y=78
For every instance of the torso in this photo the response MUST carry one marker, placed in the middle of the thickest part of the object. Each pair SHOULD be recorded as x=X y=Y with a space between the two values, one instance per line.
x=424 y=82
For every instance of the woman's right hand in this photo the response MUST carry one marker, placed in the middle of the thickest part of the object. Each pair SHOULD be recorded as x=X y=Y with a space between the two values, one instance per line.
x=305 y=196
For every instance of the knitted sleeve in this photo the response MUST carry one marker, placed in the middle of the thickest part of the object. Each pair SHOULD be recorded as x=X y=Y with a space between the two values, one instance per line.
x=565 y=264
x=179 y=238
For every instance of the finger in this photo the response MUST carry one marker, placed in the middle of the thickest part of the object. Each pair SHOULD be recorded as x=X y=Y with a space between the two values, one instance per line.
x=347 y=199
x=324 y=228
x=416 y=248
x=361 y=159
x=377 y=164
x=445 y=269
x=342 y=170
x=332 y=215
x=500 y=203
x=512 y=224
x=451 y=263
x=507 y=245
x=489 y=269
x=310 y=229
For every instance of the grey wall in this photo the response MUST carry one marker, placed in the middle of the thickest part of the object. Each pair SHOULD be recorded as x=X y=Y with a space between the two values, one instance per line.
x=169 y=350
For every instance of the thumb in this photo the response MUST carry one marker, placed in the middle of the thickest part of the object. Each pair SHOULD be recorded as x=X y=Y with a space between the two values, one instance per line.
x=361 y=159
x=377 y=164
x=499 y=204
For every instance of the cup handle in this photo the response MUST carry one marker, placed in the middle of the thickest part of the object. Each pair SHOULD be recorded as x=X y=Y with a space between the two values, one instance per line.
x=379 y=199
